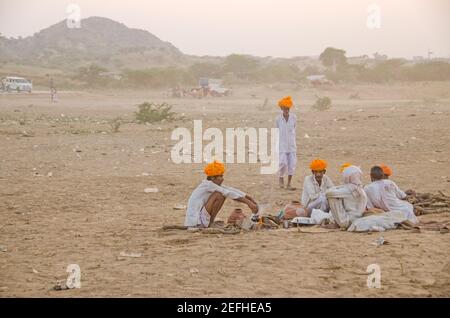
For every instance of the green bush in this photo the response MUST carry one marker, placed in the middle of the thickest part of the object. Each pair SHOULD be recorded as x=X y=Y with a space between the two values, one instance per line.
x=152 y=113
x=322 y=103
x=115 y=124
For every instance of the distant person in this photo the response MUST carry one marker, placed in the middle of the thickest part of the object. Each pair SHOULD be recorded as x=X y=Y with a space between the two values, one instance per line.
x=287 y=124
x=315 y=186
x=384 y=194
x=207 y=199
x=387 y=172
x=53 y=95
x=53 y=92
x=348 y=201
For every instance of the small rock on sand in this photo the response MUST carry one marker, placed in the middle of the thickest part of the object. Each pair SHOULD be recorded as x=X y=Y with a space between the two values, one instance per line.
x=134 y=255
x=380 y=241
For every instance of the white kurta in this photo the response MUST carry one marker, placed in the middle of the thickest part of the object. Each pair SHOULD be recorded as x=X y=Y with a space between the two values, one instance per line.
x=287 y=144
x=288 y=162
x=312 y=191
x=386 y=195
x=200 y=196
x=287 y=137
x=346 y=205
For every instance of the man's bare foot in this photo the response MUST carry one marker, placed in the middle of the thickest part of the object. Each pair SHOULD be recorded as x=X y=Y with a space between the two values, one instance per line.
x=290 y=188
x=281 y=182
x=217 y=224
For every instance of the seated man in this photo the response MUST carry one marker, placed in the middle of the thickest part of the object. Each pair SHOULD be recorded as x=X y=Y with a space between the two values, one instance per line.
x=314 y=187
x=387 y=173
x=386 y=195
x=207 y=199
x=343 y=166
x=347 y=201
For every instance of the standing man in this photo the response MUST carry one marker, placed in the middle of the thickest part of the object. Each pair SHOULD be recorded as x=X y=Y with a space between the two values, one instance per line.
x=287 y=124
x=52 y=90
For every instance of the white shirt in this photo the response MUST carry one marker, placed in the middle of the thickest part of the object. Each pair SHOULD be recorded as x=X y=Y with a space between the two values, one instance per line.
x=312 y=190
x=386 y=195
x=200 y=196
x=287 y=142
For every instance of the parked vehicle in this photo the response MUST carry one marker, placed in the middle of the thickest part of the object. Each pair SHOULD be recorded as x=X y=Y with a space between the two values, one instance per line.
x=214 y=87
x=18 y=84
x=319 y=80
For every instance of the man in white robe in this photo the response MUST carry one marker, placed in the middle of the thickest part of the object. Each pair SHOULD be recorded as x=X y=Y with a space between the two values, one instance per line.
x=348 y=201
x=208 y=198
x=387 y=171
x=315 y=186
x=286 y=122
x=384 y=194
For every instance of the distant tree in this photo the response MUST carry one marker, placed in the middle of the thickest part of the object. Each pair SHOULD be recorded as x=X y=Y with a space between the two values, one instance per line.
x=90 y=74
x=205 y=69
x=241 y=65
x=310 y=70
x=278 y=72
x=331 y=56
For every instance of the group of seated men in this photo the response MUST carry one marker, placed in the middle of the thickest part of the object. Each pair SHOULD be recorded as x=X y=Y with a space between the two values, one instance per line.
x=344 y=203
x=350 y=200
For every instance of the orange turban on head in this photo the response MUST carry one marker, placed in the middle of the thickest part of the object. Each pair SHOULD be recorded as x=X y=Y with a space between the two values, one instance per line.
x=318 y=165
x=285 y=102
x=345 y=165
x=386 y=170
x=215 y=168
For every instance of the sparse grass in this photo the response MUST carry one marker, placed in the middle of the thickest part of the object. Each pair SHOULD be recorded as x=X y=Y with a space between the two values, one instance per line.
x=322 y=103
x=79 y=131
x=429 y=101
x=23 y=120
x=265 y=105
x=354 y=96
x=115 y=124
x=10 y=132
x=152 y=113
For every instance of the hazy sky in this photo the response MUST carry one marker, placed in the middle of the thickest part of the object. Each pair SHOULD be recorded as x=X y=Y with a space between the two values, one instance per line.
x=260 y=27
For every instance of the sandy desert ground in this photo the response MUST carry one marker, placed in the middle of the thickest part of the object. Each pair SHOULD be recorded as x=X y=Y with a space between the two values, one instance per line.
x=71 y=191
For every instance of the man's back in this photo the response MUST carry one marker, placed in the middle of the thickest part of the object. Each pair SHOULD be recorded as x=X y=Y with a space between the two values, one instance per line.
x=384 y=194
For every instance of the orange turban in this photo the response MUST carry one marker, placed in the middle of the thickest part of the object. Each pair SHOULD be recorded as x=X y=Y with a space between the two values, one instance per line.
x=318 y=165
x=285 y=102
x=345 y=165
x=386 y=170
x=215 y=168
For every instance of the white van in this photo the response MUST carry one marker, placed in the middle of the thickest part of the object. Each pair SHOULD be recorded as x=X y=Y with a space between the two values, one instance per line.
x=18 y=84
